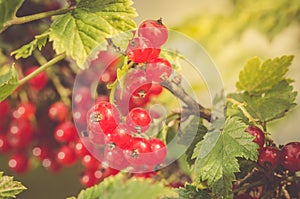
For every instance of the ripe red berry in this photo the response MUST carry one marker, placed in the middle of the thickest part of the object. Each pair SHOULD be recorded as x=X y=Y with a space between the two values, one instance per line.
x=114 y=157
x=65 y=132
x=103 y=117
x=90 y=162
x=138 y=153
x=269 y=157
x=158 y=69
x=91 y=177
x=66 y=156
x=155 y=31
x=290 y=154
x=120 y=137
x=4 y=108
x=82 y=97
x=138 y=120
x=4 y=144
x=158 y=151
x=58 y=111
x=39 y=81
x=139 y=50
x=259 y=135
x=18 y=163
x=20 y=134
x=80 y=148
x=79 y=116
x=137 y=83
x=24 y=111
x=41 y=152
x=51 y=164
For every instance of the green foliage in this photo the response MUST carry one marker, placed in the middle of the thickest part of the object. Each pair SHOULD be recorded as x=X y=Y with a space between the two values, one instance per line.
x=216 y=156
x=8 y=83
x=9 y=188
x=8 y=11
x=216 y=30
x=190 y=192
x=116 y=187
x=38 y=43
x=257 y=77
x=268 y=106
x=81 y=30
x=194 y=133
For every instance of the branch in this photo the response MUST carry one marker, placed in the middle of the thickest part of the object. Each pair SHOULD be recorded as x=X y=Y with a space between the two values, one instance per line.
x=193 y=107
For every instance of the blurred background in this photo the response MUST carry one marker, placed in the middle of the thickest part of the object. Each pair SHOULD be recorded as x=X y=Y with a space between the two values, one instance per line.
x=231 y=31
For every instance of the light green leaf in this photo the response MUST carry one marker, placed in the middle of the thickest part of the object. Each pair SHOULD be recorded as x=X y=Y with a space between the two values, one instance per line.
x=117 y=187
x=218 y=164
x=257 y=77
x=8 y=83
x=190 y=192
x=8 y=10
x=9 y=188
x=269 y=106
x=38 y=43
x=89 y=25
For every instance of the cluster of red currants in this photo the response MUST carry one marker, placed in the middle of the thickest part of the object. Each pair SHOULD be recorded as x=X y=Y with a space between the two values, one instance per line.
x=270 y=157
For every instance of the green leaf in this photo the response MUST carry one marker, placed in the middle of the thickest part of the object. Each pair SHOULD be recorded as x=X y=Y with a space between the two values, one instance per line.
x=9 y=188
x=194 y=133
x=38 y=43
x=8 y=10
x=117 y=187
x=89 y=25
x=218 y=163
x=257 y=77
x=190 y=192
x=268 y=106
x=8 y=83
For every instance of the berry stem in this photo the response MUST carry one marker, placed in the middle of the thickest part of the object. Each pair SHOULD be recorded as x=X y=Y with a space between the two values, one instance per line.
x=42 y=68
x=243 y=109
x=193 y=108
x=34 y=17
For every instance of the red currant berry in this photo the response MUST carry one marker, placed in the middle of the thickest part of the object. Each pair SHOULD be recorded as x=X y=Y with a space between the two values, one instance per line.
x=39 y=81
x=139 y=50
x=155 y=31
x=80 y=148
x=103 y=117
x=120 y=137
x=91 y=177
x=20 y=134
x=4 y=144
x=89 y=162
x=41 y=152
x=108 y=171
x=138 y=120
x=18 y=163
x=158 y=69
x=65 y=132
x=114 y=157
x=79 y=116
x=24 y=111
x=66 y=156
x=269 y=157
x=137 y=83
x=159 y=151
x=290 y=154
x=82 y=97
x=51 y=164
x=137 y=154
x=58 y=111
x=156 y=89
x=258 y=134
x=4 y=109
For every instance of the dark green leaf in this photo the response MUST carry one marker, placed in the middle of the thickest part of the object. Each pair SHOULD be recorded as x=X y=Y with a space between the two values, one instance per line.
x=216 y=156
x=8 y=10
x=9 y=188
x=257 y=77
x=8 y=83
x=88 y=26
